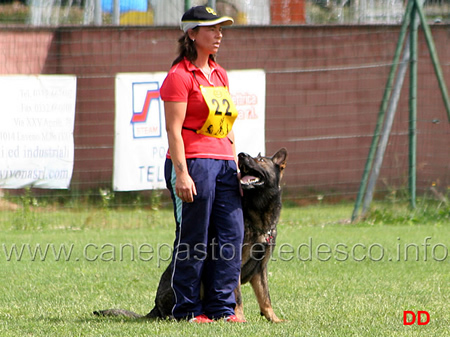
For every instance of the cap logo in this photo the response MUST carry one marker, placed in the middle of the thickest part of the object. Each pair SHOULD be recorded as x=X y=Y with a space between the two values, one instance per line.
x=210 y=10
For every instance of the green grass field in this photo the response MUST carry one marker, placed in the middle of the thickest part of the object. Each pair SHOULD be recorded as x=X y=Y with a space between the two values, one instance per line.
x=327 y=277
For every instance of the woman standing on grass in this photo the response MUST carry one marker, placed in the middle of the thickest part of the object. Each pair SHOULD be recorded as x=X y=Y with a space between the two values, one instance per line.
x=201 y=173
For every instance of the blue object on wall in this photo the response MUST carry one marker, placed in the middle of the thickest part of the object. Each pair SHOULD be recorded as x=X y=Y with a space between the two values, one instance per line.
x=125 y=5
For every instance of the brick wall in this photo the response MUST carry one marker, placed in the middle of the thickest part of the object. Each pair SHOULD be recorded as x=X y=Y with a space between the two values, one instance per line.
x=324 y=88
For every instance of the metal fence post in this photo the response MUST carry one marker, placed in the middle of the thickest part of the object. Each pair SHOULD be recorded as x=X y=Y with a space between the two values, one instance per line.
x=413 y=108
x=385 y=100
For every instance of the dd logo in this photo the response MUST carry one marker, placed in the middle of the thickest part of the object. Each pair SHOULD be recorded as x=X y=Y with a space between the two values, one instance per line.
x=409 y=317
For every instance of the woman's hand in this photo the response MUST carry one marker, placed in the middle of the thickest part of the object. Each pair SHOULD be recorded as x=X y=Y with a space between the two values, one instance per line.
x=185 y=187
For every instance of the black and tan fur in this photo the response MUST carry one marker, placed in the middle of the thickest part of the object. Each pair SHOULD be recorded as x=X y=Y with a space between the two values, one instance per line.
x=260 y=181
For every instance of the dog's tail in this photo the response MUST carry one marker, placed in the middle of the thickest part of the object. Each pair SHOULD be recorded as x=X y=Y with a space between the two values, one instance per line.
x=155 y=313
x=118 y=312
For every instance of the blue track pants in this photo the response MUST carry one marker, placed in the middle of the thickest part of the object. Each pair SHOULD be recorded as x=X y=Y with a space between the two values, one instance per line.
x=208 y=240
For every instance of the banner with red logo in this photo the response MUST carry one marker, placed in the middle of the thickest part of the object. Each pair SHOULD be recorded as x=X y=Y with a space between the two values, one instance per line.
x=140 y=142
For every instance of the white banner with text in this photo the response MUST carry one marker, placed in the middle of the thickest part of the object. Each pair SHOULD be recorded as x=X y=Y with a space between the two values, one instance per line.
x=36 y=131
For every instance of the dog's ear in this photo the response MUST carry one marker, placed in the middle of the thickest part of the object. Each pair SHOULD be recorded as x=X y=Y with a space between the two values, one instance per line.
x=280 y=158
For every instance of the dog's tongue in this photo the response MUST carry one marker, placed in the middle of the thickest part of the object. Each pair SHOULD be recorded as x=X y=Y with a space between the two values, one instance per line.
x=248 y=179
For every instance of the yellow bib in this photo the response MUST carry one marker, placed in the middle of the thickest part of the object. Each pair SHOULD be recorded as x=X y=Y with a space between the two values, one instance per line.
x=222 y=112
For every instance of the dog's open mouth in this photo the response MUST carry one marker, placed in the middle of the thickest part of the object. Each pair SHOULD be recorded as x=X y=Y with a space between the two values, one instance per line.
x=250 y=179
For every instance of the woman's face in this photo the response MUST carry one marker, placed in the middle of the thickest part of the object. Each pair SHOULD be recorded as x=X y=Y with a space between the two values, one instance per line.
x=207 y=39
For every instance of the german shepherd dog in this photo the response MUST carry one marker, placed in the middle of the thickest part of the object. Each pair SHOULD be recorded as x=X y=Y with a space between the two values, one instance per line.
x=261 y=203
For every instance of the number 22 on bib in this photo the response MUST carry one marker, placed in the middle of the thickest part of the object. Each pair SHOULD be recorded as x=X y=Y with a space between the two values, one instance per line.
x=222 y=112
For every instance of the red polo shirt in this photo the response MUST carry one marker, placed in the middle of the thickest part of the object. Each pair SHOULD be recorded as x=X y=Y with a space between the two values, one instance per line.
x=181 y=85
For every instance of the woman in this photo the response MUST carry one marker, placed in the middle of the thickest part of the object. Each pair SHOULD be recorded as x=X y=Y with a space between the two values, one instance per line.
x=201 y=173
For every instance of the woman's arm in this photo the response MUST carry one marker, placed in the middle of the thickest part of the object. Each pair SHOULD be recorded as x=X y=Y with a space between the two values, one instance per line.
x=175 y=113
